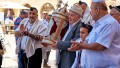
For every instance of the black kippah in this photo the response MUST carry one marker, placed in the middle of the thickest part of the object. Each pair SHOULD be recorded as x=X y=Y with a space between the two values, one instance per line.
x=118 y=8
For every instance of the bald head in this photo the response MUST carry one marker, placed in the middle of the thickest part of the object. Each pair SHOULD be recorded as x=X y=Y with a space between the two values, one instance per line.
x=100 y=5
x=98 y=10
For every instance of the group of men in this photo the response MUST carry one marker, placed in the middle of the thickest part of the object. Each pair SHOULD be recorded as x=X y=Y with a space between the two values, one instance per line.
x=99 y=50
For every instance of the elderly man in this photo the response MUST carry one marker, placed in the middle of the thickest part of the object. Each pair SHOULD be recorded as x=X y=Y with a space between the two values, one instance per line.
x=115 y=12
x=30 y=33
x=45 y=50
x=66 y=57
x=102 y=47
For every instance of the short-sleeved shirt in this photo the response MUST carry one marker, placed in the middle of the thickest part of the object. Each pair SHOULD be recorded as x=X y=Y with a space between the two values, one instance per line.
x=106 y=33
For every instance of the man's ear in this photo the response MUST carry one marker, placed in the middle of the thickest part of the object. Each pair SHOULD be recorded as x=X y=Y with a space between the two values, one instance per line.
x=98 y=10
x=37 y=15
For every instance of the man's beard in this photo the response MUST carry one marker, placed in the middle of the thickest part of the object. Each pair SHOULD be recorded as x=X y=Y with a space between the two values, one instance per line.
x=31 y=21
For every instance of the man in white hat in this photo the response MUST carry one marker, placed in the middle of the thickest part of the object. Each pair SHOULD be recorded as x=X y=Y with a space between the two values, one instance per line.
x=45 y=50
x=23 y=14
x=67 y=57
x=44 y=17
x=102 y=47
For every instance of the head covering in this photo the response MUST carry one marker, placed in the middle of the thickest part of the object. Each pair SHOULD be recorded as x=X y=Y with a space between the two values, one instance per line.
x=110 y=6
x=45 y=12
x=24 y=12
x=98 y=0
x=77 y=9
x=117 y=8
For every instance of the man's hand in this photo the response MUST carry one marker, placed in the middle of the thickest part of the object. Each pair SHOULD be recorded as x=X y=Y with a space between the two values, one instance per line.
x=54 y=45
x=19 y=33
x=26 y=33
x=44 y=44
x=75 y=46
x=22 y=28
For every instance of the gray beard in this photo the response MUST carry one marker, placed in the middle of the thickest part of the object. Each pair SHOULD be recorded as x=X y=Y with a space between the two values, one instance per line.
x=31 y=21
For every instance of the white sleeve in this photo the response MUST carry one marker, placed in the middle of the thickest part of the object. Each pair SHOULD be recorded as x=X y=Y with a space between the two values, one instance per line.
x=106 y=35
x=75 y=61
x=42 y=30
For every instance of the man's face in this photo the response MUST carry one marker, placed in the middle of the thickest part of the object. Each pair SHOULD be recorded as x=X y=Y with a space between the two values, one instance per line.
x=116 y=14
x=25 y=15
x=44 y=15
x=33 y=15
x=73 y=17
x=94 y=12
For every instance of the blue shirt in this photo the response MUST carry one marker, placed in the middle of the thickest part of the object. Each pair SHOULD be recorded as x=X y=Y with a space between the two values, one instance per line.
x=105 y=32
x=17 y=22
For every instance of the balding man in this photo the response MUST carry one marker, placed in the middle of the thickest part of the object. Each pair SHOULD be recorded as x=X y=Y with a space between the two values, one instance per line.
x=102 y=47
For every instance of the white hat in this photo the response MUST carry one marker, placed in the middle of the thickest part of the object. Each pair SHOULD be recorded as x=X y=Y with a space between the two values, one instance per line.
x=45 y=12
x=77 y=9
x=98 y=0
x=24 y=12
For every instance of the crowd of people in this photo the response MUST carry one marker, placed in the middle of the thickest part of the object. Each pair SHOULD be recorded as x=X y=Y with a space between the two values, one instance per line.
x=91 y=38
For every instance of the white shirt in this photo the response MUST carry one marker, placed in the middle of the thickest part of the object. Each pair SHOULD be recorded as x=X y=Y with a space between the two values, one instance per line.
x=24 y=38
x=45 y=22
x=106 y=33
x=76 y=58
x=8 y=21
x=49 y=26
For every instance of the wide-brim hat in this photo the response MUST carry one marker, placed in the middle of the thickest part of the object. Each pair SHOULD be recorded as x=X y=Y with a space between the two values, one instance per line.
x=77 y=9
x=44 y=12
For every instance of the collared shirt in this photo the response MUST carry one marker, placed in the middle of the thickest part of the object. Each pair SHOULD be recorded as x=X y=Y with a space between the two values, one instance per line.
x=69 y=29
x=106 y=33
x=45 y=22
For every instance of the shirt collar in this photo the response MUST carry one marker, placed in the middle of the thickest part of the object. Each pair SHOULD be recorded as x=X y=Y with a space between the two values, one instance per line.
x=100 y=21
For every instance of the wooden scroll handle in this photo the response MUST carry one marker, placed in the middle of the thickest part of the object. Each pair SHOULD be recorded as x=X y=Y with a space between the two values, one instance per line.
x=58 y=30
